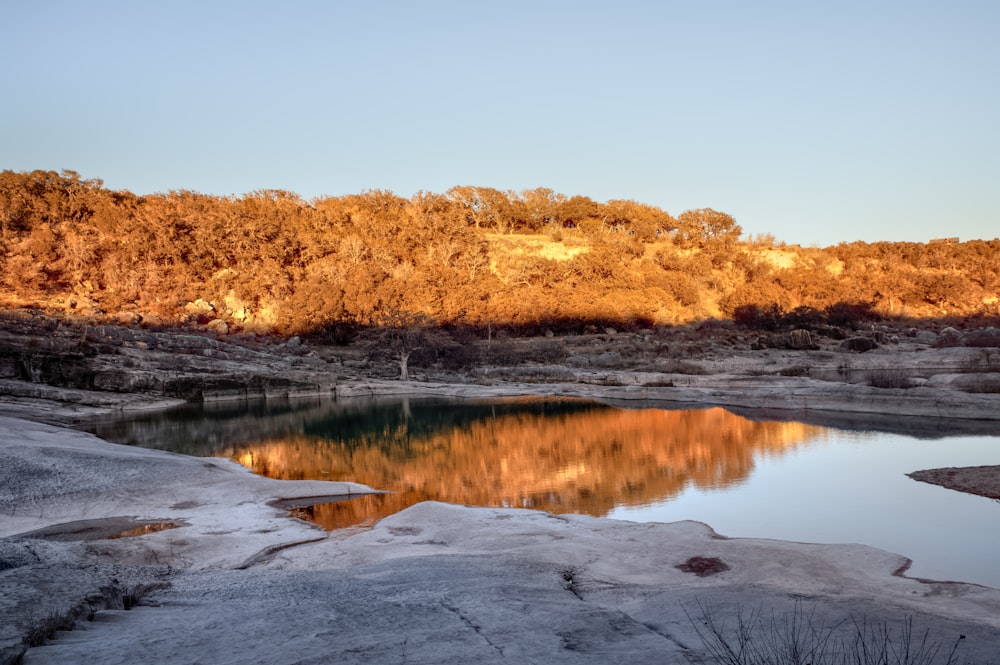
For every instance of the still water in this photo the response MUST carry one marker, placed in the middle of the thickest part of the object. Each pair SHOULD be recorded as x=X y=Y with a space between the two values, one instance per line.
x=745 y=478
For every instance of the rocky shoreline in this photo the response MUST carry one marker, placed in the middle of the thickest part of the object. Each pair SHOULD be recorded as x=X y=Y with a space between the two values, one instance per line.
x=911 y=373
x=978 y=480
x=206 y=543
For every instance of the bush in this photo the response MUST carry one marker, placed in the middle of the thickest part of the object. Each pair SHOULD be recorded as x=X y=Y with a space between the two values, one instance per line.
x=501 y=352
x=341 y=333
x=889 y=377
x=807 y=318
x=850 y=315
x=459 y=356
x=768 y=317
x=544 y=350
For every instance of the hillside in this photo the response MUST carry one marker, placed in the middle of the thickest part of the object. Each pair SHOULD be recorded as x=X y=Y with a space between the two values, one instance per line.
x=472 y=258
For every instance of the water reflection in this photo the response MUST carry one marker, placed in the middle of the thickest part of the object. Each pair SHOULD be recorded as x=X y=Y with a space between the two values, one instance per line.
x=556 y=455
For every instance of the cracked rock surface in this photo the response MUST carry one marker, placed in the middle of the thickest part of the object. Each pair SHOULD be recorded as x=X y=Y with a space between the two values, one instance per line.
x=435 y=583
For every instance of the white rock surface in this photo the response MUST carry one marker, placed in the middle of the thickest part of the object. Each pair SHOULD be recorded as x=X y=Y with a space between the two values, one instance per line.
x=433 y=584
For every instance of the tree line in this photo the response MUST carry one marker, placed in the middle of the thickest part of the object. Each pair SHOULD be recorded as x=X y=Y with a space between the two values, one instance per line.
x=471 y=256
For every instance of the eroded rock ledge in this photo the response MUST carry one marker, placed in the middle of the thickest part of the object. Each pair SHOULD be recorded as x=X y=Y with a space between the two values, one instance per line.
x=979 y=480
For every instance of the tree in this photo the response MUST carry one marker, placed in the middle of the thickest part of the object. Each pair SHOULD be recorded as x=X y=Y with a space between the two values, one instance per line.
x=537 y=208
x=400 y=334
x=578 y=209
x=483 y=207
x=705 y=227
x=644 y=222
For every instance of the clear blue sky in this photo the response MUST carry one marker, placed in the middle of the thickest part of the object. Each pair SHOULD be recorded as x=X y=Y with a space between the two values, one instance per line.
x=819 y=122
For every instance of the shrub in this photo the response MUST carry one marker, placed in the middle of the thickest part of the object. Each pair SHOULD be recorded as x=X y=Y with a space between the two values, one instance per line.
x=889 y=377
x=768 y=317
x=459 y=356
x=340 y=333
x=850 y=315
x=544 y=350
x=804 y=317
x=501 y=352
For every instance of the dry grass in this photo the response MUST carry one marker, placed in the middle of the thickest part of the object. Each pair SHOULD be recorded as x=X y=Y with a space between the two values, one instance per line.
x=113 y=596
x=797 y=638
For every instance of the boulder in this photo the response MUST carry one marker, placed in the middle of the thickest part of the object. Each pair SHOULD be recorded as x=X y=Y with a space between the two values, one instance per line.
x=199 y=307
x=236 y=308
x=950 y=337
x=218 y=326
x=607 y=359
x=800 y=339
x=858 y=344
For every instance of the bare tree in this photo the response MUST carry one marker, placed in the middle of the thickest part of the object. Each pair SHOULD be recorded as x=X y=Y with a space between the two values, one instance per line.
x=399 y=334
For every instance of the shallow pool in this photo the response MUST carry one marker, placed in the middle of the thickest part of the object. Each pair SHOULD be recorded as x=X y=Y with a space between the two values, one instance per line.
x=745 y=477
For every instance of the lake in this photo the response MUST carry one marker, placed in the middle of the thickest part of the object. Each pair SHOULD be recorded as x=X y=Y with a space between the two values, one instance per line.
x=744 y=476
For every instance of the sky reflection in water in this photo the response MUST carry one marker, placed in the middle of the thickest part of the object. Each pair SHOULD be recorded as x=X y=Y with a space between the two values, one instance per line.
x=745 y=478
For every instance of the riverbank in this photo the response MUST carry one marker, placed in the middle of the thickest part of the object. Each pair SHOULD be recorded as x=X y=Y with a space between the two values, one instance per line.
x=876 y=373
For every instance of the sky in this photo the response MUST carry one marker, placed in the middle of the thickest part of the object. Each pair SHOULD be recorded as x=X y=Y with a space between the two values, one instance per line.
x=816 y=122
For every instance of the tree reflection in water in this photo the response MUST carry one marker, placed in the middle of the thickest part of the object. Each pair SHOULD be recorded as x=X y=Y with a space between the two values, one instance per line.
x=559 y=456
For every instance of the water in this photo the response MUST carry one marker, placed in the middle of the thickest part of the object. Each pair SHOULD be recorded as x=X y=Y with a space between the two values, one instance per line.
x=746 y=478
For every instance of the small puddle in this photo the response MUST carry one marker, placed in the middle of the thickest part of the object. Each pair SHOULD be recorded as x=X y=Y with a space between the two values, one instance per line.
x=336 y=512
x=107 y=528
x=151 y=527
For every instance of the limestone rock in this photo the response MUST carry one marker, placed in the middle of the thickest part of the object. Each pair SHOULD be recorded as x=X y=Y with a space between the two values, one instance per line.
x=800 y=339
x=235 y=307
x=950 y=337
x=607 y=359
